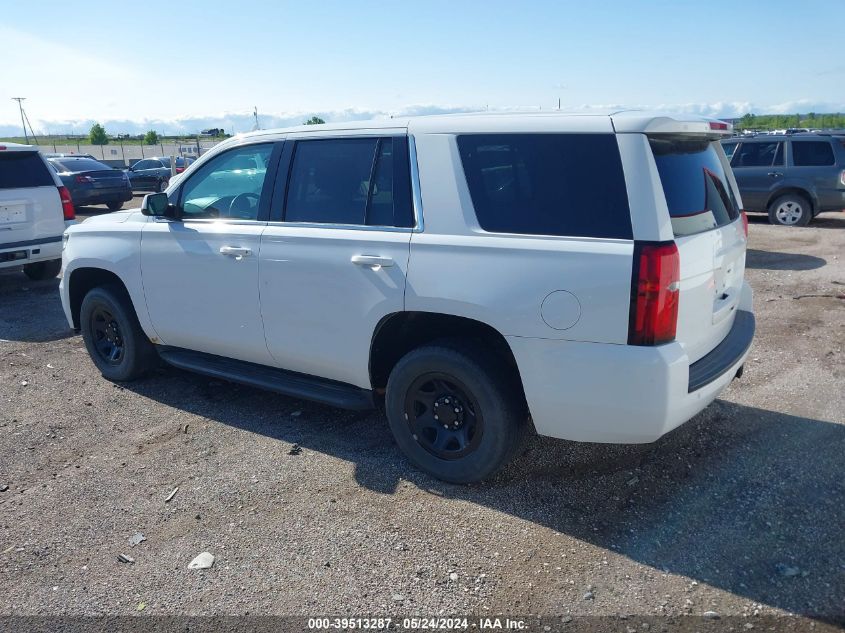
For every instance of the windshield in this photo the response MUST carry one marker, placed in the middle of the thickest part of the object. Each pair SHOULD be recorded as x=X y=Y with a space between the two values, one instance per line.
x=694 y=183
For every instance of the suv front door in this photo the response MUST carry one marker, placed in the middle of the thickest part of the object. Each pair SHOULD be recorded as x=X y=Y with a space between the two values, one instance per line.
x=200 y=272
x=758 y=168
x=334 y=256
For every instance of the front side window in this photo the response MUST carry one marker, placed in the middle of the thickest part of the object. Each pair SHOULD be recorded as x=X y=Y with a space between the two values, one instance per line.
x=351 y=181
x=229 y=185
x=729 y=148
x=145 y=164
x=547 y=184
x=812 y=154
x=758 y=155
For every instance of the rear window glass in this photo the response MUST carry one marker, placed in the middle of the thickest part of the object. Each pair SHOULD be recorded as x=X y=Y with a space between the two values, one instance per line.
x=23 y=169
x=812 y=154
x=79 y=164
x=695 y=185
x=547 y=184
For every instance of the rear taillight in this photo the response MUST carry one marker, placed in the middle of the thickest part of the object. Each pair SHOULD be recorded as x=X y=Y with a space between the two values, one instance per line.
x=84 y=179
x=842 y=177
x=179 y=170
x=655 y=287
x=67 y=204
x=744 y=222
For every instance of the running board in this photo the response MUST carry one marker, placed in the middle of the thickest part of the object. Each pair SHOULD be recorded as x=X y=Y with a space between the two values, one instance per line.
x=288 y=383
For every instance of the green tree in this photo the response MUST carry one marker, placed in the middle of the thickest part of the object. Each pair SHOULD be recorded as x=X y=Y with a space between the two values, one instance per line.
x=151 y=138
x=314 y=120
x=97 y=135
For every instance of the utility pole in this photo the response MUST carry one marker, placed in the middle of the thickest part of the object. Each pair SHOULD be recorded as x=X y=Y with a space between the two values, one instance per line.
x=20 y=101
x=257 y=125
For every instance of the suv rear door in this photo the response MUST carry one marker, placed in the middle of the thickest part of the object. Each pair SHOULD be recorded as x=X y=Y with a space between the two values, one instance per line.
x=334 y=256
x=30 y=206
x=709 y=234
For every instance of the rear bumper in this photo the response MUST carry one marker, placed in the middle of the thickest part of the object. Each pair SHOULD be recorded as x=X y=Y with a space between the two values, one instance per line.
x=101 y=197
x=593 y=392
x=30 y=251
x=725 y=355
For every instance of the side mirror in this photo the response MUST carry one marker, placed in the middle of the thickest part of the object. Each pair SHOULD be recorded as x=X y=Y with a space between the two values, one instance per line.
x=157 y=205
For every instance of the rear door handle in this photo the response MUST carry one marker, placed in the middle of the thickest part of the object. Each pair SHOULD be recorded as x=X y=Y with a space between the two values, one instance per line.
x=774 y=174
x=235 y=251
x=373 y=261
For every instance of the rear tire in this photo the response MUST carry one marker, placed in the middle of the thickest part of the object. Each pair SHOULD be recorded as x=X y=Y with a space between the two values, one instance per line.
x=41 y=271
x=791 y=209
x=113 y=336
x=114 y=206
x=162 y=185
x=455 y=411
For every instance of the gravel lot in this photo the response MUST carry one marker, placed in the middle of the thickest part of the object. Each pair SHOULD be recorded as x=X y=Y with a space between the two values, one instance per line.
x=739 y=512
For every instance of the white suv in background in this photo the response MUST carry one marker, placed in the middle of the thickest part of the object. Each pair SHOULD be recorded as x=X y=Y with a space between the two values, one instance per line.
x=469 y=273
x=35 y=209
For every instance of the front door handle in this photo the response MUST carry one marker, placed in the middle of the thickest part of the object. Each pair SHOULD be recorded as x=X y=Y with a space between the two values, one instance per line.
x=774 y=174
x=373 y=261
x=235 y=251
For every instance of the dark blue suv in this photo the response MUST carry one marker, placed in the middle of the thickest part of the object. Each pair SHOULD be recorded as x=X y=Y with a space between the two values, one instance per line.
x=792 y=177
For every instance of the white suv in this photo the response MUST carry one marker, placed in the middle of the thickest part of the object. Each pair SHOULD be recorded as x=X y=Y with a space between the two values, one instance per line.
x=468 y=272
x=35 y=209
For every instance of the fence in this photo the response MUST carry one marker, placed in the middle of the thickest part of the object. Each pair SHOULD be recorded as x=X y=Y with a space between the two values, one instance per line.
x=116 y=152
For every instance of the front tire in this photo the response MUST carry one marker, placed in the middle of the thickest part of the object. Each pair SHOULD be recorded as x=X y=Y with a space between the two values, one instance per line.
x=114 y=206
x=455 y=412
x=791 y=209
x=41 y=271
x=113 y=337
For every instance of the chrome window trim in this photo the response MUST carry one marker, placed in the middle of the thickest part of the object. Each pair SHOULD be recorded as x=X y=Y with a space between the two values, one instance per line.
x=344 y=227
x=416 y=195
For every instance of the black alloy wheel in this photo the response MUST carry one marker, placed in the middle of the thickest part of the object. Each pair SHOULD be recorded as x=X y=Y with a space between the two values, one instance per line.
x=107 y=337
x=443 y=417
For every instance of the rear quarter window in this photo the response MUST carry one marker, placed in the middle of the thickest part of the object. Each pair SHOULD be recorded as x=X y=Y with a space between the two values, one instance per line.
x=812 y=154
x=547 y=184
x=23 y=169
x=694 y=183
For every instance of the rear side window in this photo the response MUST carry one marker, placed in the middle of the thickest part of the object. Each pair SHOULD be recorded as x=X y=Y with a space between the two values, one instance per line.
x=23 y=169
x=758 y=155
x=812 y=154
x=547 y=184
x=354 y=181
x=729 y=148
x=694 y=183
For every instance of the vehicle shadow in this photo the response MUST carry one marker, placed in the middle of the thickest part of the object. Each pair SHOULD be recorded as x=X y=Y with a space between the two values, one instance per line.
x=30 y=310
x=774 y=260
x=747 y=500
x=825 y=220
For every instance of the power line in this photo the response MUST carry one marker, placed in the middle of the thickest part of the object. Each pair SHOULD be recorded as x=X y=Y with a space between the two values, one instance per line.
x=20 y=101
x=25 y=120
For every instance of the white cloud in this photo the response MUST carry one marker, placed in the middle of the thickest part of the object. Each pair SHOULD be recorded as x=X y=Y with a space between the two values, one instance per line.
x=235 y=122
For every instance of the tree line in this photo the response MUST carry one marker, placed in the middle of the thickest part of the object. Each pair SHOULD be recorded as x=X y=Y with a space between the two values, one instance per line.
x=783 y=121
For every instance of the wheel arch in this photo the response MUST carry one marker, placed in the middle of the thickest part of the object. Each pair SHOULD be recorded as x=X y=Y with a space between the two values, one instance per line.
x=790 y=188
x=400 y=332
x=84 y=279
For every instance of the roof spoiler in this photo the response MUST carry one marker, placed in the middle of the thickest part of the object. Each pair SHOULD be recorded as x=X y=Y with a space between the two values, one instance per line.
x=697 y=126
